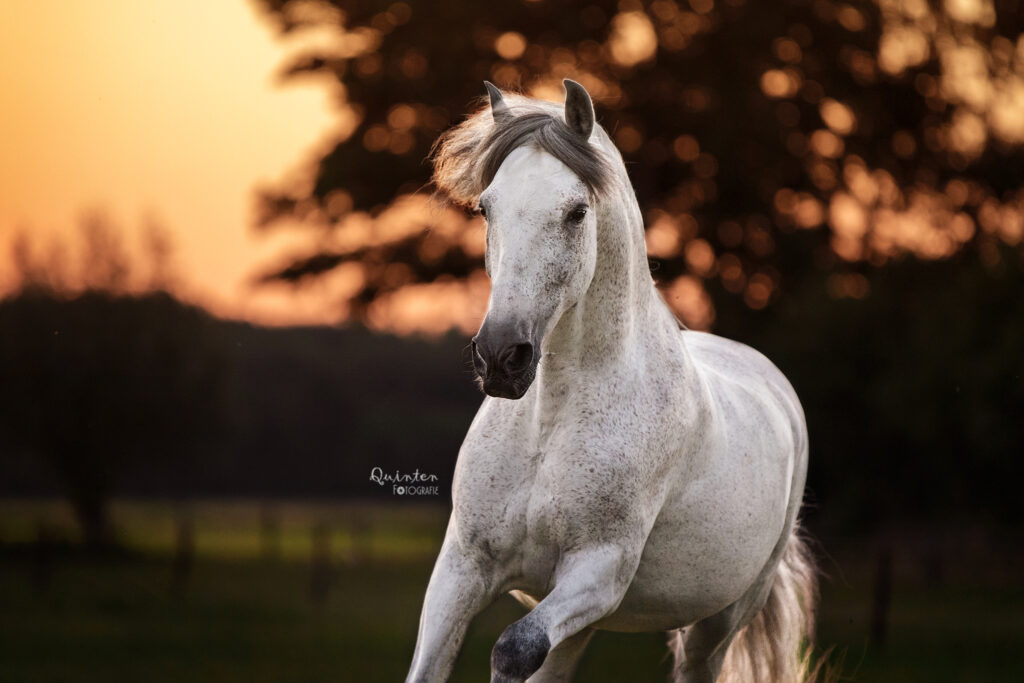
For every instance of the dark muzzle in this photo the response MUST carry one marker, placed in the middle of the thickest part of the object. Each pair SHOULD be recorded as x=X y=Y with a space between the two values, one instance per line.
x=505 y=361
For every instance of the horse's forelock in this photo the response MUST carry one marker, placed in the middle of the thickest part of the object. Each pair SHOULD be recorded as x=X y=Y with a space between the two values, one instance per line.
x=467 y=157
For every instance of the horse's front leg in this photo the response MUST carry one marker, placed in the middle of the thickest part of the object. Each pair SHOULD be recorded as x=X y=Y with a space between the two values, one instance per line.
x=589 y=585
x=459 y=588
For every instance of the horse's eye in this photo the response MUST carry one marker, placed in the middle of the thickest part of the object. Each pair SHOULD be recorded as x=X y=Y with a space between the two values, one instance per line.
x=482 y=212
x=578 y=214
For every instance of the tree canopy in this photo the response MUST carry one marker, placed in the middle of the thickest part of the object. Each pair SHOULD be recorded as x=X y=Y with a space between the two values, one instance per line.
x=769 y=144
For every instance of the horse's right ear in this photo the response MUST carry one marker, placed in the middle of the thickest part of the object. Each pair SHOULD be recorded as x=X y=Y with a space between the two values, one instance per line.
x=499 y=108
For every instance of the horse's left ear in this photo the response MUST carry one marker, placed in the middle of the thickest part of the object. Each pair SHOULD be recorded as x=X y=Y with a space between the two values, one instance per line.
x=579 y=110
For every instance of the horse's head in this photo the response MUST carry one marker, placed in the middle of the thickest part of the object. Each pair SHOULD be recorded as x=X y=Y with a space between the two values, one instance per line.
x=541 y=233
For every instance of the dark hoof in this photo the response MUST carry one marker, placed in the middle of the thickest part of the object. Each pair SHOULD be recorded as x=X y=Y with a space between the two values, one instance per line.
x=519 y=652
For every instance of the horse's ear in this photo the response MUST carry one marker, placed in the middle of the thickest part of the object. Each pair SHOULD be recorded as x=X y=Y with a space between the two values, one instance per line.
x=499 y=108
x=579 y=110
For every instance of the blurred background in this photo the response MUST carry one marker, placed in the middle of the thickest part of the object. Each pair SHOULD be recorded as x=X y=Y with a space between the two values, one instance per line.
x=226 y=295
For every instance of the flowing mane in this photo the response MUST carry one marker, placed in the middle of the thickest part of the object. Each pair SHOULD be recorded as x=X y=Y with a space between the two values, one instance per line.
x=467 y=157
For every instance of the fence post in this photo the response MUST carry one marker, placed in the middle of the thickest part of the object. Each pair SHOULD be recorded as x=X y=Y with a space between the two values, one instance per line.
x=934 y=562
x=881 y=598
x=320 y=572
x=362 y=537
x=270 y=533
x=184 y=556
x=42 y=559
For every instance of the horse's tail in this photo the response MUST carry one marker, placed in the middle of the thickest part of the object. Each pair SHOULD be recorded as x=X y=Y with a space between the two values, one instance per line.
x=775 y=646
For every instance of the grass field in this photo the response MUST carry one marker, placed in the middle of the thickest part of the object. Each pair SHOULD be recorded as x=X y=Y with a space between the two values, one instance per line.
x=245 y=611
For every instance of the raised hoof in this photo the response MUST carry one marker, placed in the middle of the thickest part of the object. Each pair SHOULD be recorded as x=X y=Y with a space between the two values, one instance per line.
x=519 y=652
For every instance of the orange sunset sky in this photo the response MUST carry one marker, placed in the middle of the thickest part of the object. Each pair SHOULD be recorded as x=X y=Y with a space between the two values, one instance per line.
x=165 y=110
x=170 y=112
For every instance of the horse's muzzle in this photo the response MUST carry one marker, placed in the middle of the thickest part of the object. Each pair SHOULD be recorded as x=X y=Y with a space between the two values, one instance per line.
x=505 y=363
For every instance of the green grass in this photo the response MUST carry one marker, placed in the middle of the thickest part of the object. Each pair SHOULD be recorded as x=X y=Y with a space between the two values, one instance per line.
x=245 y=617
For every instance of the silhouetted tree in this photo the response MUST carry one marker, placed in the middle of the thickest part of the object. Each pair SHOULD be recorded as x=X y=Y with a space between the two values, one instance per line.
x=912 y=394
x=96 y=380
x=746 y=127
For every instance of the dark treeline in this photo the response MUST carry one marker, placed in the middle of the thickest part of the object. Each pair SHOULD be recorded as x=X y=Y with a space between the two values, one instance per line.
x=912 y=393
x=104 y=394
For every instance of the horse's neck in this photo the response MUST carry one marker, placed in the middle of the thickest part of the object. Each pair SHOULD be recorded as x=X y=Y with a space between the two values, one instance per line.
x=621 y=308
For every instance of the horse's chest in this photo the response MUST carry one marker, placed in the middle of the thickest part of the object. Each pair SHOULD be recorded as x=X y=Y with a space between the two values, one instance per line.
x=524 y=520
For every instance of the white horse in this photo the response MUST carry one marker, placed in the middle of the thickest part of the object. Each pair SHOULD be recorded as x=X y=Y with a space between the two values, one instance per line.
x=623 y=473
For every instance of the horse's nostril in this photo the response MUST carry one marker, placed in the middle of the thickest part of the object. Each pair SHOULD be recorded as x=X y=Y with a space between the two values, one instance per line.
x=517 y=357
x=478 y=361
